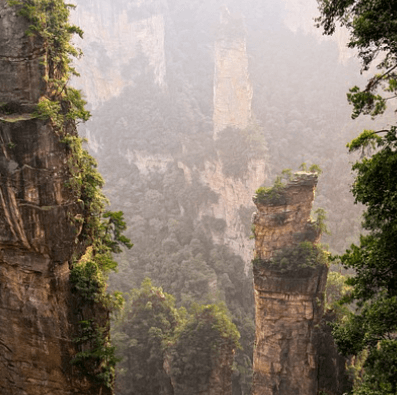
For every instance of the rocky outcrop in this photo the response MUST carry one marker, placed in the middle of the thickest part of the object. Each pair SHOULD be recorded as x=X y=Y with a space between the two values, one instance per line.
x=232 y=85
x=289 y=281
x=232 y=111
x=37 y=230
x=115 y=41
x=21 y=69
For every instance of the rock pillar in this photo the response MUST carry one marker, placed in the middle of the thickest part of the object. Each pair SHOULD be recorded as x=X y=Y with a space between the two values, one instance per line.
x=37 y=231
x=289 y=280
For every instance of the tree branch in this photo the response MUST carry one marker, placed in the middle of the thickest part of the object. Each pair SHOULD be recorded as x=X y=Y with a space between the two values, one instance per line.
x=374 y=80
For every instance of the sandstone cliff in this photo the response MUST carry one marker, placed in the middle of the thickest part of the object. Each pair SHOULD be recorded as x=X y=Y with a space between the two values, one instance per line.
x=289 y=279
x=39 y=315
x=295 y=352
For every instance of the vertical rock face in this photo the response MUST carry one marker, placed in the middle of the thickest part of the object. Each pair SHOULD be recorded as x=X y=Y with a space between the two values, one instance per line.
x=232 y=86
x=221 y=375
x=20 y=69
x=36 y=240
x=232 y=110
x=289 y=285
x=119 y=38
x=37 y=231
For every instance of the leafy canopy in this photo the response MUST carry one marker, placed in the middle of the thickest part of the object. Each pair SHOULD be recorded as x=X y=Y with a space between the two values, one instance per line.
x=152 y=332
x=372 y=25
x=373 y=32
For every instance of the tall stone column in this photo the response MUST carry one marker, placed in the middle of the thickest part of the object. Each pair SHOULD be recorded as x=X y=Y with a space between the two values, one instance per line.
x=289 y=280
x=37 y=231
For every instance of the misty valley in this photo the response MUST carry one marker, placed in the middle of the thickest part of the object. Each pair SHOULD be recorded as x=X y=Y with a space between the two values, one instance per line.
x=180 y=214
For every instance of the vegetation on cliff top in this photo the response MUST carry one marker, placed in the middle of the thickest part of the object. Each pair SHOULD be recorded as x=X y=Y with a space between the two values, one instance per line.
x=274 y=194
x=303 y=254
x=372 y=26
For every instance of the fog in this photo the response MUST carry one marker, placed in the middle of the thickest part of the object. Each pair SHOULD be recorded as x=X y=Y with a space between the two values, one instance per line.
x=197 y=103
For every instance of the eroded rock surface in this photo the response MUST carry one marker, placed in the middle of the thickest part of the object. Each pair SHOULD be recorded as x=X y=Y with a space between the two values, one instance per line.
x=288 y=293
x=21 y=68
x=37 y=231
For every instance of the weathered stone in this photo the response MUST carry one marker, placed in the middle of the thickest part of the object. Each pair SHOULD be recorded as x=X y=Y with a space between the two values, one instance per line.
x=288 y=298
x=37 y=240
x=38 y=313
x=21 y=60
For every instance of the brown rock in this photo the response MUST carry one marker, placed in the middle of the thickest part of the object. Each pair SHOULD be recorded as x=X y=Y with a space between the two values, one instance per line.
x=288 y=294
x=21 y=56
x=38 y=314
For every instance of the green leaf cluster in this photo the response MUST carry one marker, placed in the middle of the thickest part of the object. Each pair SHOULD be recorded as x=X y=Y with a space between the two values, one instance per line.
x=336 y=289
x=371 y=329
x=300 y=256
x=49 y=21
x=373 y=30
x=97 y=358
x=152 y=332
x=319 y=221
x=274 y=194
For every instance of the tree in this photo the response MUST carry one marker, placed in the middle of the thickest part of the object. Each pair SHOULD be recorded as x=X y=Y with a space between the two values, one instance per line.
x=147 y=325
x=161 y=345
x=204 y=344
x=373 y=32
x=373 y=327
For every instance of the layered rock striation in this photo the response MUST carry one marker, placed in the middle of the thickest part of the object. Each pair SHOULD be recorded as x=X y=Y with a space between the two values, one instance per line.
x=290 y=275
x=36 y=245
x=38 y=232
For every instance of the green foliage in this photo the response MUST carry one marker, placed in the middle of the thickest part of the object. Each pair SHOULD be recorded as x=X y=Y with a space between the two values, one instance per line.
x=365 y=102
x=287 y=173
x=49 y=20
x=87 y=278
x=303 y=167
x=151 y=330
x=113 y=225
x=301 y=256
x=144 y=330
x=315 y=169
x=312 y=168
x=319 y=221
x=380 y=374
x=205 y=334
x=365 y=139
x=336 y=289
x=373 y=30
x=97 y=360
x=274 y=194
